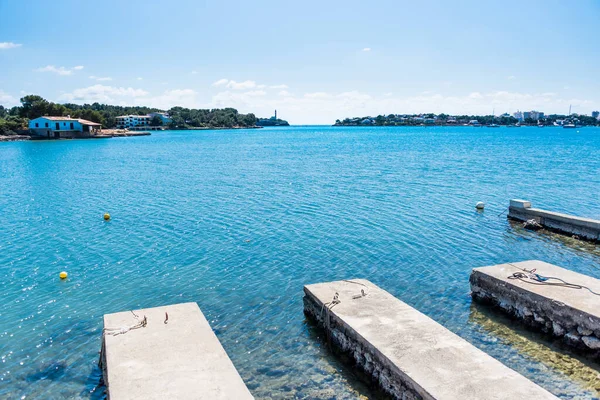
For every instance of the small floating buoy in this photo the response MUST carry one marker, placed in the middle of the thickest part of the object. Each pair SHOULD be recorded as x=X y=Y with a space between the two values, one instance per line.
x=480 y=205
x=63 y=275
x=106 y=216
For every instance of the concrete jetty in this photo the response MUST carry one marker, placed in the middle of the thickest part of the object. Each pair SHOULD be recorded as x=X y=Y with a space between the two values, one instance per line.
x=570 y=312
x=584 y=228
x=166 y=352
x=407 y=354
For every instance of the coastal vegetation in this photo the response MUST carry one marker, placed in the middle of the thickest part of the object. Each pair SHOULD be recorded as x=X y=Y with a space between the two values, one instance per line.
x=186 y=118
x=15 y=119
x=445 y=119
x=272 y=122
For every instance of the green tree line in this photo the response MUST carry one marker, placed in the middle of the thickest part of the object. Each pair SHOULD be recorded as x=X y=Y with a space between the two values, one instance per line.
x=413 y=120
x=33 y=106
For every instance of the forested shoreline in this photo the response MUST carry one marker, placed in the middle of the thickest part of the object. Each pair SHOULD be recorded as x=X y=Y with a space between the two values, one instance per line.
x=15 y=119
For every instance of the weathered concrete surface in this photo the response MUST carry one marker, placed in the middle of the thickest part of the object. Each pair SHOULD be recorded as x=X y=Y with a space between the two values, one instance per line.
x=584 y=228
x=407 y=354
x=182 y=359
x=571 y=314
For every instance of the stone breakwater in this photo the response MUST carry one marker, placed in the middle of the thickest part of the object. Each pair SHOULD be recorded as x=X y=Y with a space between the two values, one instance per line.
x=567 y=313
x=346 y=344
x=403 y=352
x=167 y=352
x=535 y=218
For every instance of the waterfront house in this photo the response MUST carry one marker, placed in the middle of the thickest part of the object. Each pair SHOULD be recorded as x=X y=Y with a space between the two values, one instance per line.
x=141 y=122
x=63 y=127
x=133 y=122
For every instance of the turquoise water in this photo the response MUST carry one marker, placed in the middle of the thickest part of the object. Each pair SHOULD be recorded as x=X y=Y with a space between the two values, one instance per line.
x=238 y=221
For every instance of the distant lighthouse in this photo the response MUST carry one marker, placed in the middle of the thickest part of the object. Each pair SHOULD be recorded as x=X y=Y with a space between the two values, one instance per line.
x=275 y=114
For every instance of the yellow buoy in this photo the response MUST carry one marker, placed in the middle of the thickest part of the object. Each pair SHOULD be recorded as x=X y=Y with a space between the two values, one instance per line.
x=63 y=275
x=106 y=216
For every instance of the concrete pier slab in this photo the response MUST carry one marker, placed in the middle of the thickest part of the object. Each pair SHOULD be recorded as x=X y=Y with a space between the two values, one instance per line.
x=407 y=354
x=585 y=228
x=569 y=313
x=175 y=358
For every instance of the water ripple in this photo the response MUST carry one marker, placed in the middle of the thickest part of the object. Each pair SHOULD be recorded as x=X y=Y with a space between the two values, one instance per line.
x=238 y=221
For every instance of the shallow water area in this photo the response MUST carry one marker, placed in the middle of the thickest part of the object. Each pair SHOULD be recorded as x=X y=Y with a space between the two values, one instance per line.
x=239 y=220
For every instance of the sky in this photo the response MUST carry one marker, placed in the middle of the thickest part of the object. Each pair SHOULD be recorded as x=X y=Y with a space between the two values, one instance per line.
x=313 y=61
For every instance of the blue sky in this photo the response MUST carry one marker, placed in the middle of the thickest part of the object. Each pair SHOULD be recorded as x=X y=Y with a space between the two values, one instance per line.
x=313 y=61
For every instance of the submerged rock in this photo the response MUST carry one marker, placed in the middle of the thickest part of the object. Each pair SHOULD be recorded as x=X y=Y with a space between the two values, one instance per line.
x=532 y=225
x=591 y=341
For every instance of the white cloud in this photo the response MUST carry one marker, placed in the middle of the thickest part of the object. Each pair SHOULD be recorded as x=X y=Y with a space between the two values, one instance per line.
x=172 y=98
x=242 y=85
x=194 y=72
x=326 y=107
x=103 y=94
x=7 y=100
x=101 y=79
x=221 y=82
x=255 y=93
x=279 y=87
x=231 y=84
x=59 y=70
x=366 y=49
x=130 y=96
x=9 y=45
x=510 y=78
x=316 y=95
x=139 y=78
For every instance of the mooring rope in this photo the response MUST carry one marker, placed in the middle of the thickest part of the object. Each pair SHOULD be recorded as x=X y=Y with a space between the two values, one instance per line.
x=362 y=291
x=502 y=212
x=141 y=323
x=532 y=278
x=326 y=307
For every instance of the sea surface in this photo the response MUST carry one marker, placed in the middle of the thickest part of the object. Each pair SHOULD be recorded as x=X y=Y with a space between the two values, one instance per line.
x=239 y=220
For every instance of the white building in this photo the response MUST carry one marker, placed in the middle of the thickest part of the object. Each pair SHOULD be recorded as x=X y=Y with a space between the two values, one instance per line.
x=63 y=127
x=133 y=122
x=142 y=122
x=519 y=116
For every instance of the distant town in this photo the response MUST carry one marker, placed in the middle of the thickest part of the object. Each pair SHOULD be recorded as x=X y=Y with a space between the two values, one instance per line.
x=517 y=119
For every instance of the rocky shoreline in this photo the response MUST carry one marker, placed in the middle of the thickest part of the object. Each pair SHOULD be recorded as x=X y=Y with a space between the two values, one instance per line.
x=14 y=138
